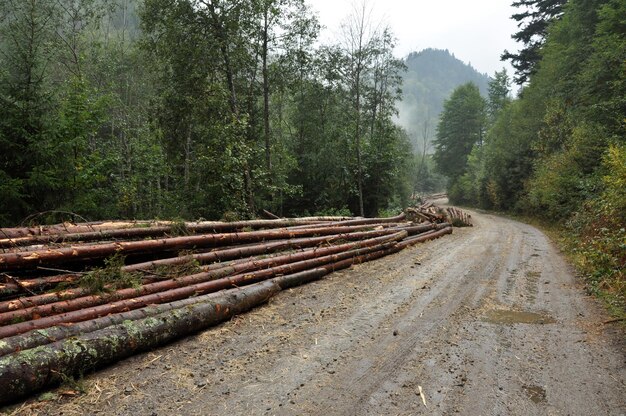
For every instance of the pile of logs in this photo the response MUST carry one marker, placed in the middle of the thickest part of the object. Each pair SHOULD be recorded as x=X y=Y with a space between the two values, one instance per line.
x=458 y=218
x=74 y=297
x=428 y=212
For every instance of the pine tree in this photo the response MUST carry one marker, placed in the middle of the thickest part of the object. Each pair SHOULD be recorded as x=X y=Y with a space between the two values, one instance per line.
x=533 y=23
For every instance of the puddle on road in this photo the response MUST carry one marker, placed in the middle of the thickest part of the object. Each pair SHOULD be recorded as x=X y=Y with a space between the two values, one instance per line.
x=507 y=317
x=535 y=393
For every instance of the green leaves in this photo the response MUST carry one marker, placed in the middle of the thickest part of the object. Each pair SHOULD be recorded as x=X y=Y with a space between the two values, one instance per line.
x=461 y=126
x=166 y=108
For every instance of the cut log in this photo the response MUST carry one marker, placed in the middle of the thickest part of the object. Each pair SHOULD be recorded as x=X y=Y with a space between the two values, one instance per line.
x=74 y=302
x=8 y=289
x=39 y=337
x=255 y=249
x=9 y=261
x=143 y=232
x=103 y=226
x=26 y=372
x=90 y=307
x=427 y=236
x=220 y=255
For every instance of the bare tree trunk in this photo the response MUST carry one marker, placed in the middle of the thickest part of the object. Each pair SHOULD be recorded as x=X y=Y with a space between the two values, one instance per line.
x=358 y=144
x=266 y=93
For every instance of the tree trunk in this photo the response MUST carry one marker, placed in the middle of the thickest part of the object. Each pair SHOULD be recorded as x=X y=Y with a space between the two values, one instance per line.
x=266 y=92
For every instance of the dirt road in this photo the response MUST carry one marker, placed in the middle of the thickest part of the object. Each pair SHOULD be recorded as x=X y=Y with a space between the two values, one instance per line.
x=487 y=321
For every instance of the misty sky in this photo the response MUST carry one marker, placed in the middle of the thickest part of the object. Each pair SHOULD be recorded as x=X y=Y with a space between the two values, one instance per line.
x=474 y=31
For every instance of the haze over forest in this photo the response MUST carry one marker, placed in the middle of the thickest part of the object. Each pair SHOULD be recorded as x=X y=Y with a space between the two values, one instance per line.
x=189 y=108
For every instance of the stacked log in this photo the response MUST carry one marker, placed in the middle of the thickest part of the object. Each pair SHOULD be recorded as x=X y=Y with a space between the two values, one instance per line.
x=426 y=212
x=168 y=280
x=458 y=218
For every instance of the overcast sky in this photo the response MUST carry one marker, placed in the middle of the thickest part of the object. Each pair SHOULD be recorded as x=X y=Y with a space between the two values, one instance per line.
x=475 y=31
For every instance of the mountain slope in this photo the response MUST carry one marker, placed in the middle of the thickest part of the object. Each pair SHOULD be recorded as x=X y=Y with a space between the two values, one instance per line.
x=431 y=76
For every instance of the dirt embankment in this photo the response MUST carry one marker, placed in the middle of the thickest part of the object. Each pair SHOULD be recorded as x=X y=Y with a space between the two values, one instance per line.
x=488 y=321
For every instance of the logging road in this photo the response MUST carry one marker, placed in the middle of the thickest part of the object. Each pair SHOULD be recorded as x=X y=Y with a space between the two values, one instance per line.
x=487 y=321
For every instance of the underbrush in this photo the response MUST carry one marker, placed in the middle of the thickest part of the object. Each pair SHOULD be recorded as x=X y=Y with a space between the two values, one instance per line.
x=595 y=237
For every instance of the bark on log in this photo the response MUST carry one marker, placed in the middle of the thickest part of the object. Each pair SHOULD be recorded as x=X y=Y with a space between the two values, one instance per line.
x=143 y=232
x=9 y=261
x=255 y=249
x=23 y=373
x=49 y=335
x=418 y=229
x=82 y=309
x=52 y=334
x=8 y=289
x=221 y=255
x=361 y=221
x=76 y=303
x=26 y=372
x=31 y=302
x=427 y=236
x=69 y=228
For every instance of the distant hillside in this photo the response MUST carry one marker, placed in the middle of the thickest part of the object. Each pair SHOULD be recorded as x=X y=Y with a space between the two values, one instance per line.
x=431 y=77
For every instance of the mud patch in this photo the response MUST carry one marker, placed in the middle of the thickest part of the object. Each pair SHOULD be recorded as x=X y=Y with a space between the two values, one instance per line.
x=508 y=317
x=535 y=393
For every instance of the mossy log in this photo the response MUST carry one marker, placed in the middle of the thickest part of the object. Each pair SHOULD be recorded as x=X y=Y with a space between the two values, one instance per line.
x=52 y=334
x=28 y=371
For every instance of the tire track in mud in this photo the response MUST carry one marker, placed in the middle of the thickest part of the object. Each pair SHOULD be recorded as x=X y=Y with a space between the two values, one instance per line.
x=456 y=291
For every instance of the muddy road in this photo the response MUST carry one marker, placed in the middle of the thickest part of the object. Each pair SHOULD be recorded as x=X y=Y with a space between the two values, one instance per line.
x=487 y=321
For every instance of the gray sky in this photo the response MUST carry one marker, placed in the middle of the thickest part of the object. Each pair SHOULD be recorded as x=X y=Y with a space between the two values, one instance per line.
x=475 y=31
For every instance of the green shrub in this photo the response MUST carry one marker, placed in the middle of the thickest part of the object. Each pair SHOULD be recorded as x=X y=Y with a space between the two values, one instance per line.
x=598 y=234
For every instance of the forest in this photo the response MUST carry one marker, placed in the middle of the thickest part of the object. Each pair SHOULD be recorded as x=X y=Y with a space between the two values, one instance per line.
x=196 y=109
x=557 y=152
x=188 y=109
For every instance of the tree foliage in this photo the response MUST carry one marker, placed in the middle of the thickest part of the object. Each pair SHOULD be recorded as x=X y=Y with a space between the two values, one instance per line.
x=193 y=108
x=533 y=21
x=461 y=127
